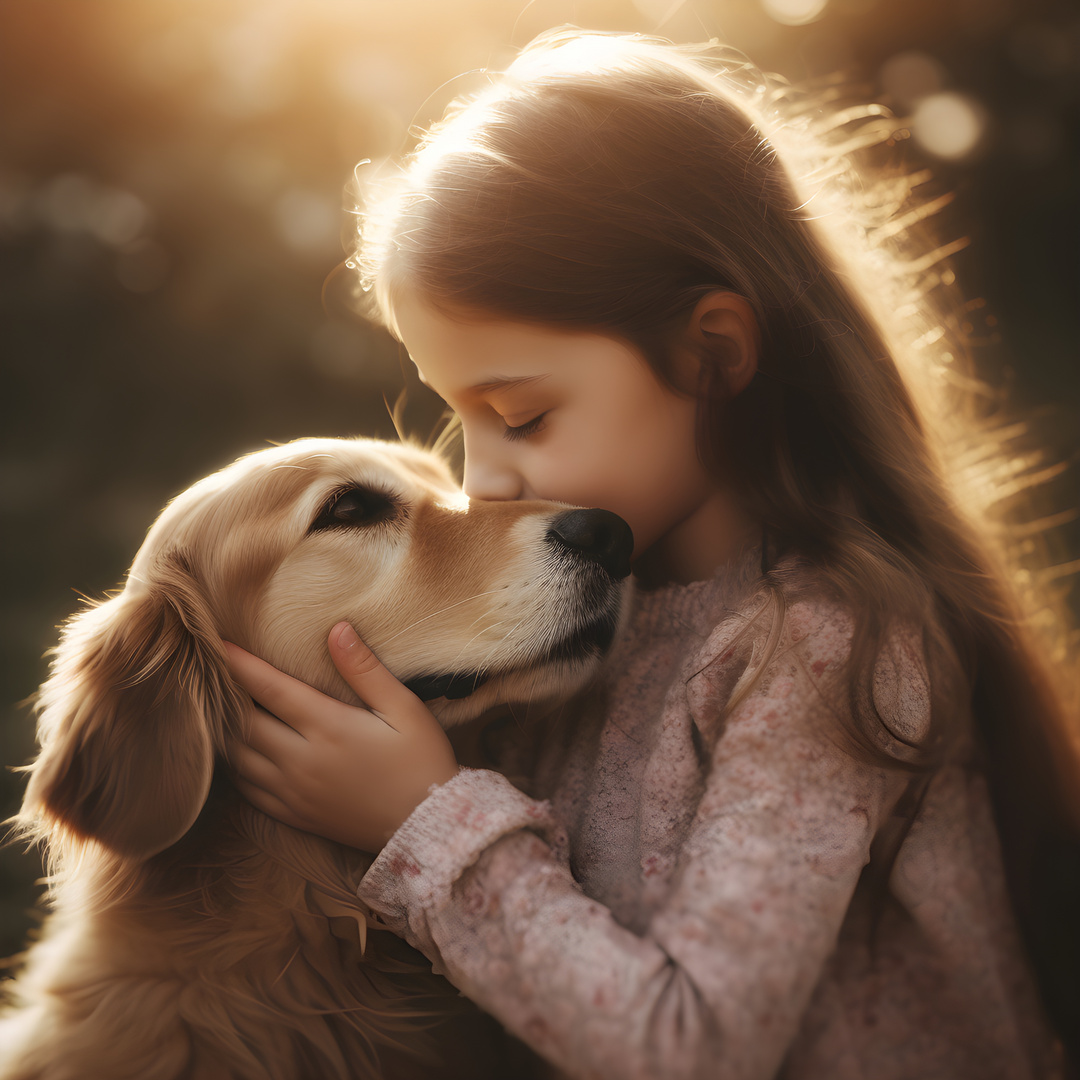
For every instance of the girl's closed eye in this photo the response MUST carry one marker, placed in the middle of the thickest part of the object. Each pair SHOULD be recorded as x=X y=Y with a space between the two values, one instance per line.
x=523 y=431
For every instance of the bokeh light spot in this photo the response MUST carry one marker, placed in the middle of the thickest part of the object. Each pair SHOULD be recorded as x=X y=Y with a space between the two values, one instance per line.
x=794 y=12
x=949 y=125
x=908 y=77
x=67 y=202
x=308 y=222
x=73 y=202
x=119 y=217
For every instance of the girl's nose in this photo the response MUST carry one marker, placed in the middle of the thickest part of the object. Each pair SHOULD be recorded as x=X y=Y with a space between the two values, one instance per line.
x=491 y=476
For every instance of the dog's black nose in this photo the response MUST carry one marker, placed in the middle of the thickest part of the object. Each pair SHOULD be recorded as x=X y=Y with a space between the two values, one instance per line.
x=597 y=535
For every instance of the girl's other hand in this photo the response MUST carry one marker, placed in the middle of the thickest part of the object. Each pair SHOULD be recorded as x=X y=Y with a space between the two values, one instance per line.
x=350 y=774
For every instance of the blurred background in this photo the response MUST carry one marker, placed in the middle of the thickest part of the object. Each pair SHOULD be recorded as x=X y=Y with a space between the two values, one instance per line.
x=172 y=199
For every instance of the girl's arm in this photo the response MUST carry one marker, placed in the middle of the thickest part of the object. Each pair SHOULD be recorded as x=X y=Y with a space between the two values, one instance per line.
x=477 y=879
x=717 y=985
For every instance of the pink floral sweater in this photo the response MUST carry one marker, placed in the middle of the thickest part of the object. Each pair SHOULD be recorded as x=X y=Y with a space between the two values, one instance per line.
x=689 y=898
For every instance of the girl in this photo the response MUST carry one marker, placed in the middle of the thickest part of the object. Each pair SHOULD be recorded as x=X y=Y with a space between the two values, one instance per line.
x=771 y=843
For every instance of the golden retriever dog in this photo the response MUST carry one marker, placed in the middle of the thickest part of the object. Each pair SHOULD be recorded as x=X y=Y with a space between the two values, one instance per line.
x=192 y=936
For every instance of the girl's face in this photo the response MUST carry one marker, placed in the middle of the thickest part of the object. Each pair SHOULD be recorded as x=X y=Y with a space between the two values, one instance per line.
x=567 y=415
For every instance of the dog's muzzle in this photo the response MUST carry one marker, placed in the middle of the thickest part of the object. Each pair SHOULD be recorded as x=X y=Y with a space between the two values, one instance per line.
x=597 y=536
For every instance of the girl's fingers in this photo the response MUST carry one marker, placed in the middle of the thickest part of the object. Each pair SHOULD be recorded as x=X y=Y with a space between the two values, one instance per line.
x=267 y=802
x=376 y=687
x=254 y=768
x=270 y=737
x=287 y=698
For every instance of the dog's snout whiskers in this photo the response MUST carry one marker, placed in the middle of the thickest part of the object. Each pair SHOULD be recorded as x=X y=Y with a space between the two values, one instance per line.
x=441 y=611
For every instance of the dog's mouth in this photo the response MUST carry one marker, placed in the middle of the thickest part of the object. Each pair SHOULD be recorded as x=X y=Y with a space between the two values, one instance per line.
x=591 y=639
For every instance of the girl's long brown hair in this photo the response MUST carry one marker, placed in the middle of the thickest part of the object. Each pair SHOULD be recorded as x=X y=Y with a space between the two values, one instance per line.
x=608 y=183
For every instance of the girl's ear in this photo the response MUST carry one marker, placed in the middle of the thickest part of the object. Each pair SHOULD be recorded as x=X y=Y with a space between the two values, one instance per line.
x=723 y=333
x=131 y=716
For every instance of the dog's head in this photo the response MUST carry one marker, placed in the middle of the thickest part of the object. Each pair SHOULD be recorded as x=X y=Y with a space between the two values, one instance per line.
x=471 y=604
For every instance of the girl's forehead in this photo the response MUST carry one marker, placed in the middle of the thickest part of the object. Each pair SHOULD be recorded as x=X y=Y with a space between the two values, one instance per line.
x=473 y=355
x=426 y=322
x=474 y=351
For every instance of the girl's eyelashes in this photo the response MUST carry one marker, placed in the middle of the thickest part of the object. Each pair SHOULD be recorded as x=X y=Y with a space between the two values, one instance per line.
x=523 y=431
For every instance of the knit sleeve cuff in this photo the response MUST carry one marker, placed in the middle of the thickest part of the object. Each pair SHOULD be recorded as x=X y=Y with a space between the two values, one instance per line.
x=444 y=835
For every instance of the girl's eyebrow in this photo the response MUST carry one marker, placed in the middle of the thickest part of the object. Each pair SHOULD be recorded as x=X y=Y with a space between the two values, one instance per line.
x=505 y=382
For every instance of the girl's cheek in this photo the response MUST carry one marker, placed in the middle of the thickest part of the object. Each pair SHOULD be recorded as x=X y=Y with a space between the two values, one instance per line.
x=583 y=462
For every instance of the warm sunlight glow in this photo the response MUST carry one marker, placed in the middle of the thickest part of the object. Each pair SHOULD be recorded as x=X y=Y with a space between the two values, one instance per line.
x=794 y=12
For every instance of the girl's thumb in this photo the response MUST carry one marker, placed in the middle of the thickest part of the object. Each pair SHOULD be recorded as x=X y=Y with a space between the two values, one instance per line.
x=363 y=671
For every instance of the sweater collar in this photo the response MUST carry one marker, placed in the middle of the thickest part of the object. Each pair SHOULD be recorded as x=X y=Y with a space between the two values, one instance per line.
x=695 y=608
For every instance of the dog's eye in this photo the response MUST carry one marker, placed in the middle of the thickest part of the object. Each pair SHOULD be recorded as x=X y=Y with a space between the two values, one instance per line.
x=356 y=506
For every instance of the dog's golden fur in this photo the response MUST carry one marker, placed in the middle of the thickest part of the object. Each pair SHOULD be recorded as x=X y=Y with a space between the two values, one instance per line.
x=191 y=935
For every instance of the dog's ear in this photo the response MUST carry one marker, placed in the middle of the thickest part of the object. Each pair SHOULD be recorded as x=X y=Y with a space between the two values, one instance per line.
x=131 y=716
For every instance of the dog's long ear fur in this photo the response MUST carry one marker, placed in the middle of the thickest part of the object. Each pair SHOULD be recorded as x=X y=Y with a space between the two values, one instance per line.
x=131 y=716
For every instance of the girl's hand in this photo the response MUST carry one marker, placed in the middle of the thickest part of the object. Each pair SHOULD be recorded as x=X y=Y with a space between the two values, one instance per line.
x=347 y=773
